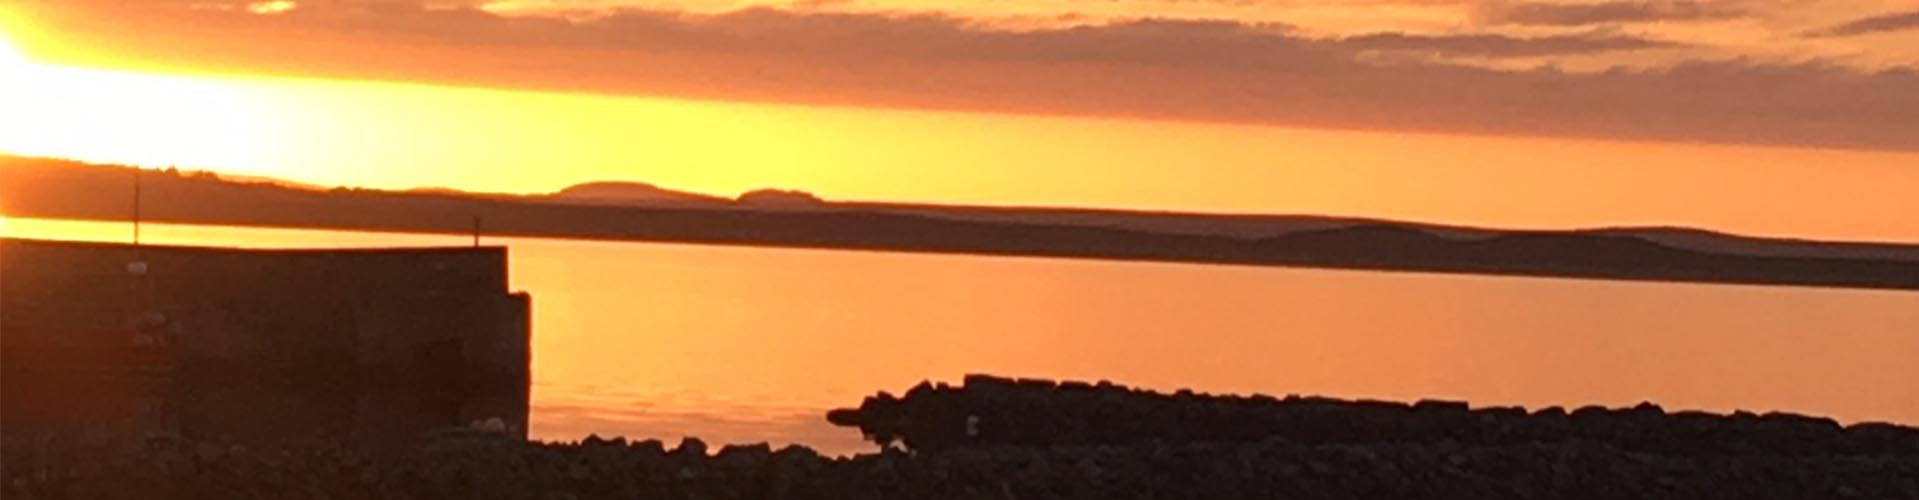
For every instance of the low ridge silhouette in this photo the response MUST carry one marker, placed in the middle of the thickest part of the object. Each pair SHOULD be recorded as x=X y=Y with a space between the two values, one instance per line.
x=642 y=212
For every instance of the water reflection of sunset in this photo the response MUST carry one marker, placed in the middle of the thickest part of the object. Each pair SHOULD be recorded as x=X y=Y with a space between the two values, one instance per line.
x=390 y=241
x=747 y=344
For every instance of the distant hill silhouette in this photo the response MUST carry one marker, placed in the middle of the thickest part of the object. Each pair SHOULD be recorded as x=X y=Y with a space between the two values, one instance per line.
x=780 y=199
x=641 y=212
x=631 y=193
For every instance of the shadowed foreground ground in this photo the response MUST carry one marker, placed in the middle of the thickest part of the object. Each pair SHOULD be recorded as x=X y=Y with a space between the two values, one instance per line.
x=1040 y=440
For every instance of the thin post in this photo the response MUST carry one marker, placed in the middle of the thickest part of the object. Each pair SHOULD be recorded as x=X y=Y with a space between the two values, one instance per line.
x=136 y=206
x=476 y=231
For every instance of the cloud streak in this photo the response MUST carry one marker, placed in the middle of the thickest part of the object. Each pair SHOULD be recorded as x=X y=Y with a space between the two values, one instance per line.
x=1509 y=12
x=1904 y=21
x=1171 y=69
x=1491 y=45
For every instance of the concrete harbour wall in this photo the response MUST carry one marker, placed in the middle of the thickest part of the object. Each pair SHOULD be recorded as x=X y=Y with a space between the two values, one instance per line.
x=366 y=344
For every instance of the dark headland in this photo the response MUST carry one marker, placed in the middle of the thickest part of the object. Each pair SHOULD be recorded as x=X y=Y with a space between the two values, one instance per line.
x=641 y=212
x=997 y=438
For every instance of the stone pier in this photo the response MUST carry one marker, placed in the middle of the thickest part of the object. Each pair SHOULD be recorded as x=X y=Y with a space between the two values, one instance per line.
x=259 y=345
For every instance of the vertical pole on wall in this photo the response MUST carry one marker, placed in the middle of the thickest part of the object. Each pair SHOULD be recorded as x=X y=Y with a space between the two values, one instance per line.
x=136 y=206
x=476 y=231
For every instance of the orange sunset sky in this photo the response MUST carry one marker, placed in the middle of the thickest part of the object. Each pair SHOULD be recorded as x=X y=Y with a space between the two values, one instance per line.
x=1768 y=117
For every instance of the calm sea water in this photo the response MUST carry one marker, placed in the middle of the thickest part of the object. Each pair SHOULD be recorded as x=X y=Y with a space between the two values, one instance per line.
x=736 y=344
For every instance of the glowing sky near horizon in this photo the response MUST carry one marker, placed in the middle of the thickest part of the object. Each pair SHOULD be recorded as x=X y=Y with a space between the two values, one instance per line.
x=385 y=132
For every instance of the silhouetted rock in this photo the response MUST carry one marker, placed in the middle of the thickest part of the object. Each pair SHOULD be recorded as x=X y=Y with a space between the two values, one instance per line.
x=1036 y=439
x=497 y=469
x=844 y=417
x=691 y=446
x=991 y=411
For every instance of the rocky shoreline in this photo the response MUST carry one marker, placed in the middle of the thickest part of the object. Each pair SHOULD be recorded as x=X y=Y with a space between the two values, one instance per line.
x=989 y=410
x=1041 y=440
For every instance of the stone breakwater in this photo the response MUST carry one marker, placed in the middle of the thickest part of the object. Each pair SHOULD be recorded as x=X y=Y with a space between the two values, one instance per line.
x=990 y=411
x=1006 y=439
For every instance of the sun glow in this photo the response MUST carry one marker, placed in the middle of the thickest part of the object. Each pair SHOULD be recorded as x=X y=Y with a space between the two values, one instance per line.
x=10 y=57
x=273 y=7
x=17 y=76
x=108 y=116
x=399 y=135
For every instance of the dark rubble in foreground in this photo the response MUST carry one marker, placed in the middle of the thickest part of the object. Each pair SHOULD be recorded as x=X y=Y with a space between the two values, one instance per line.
x=1041 y=440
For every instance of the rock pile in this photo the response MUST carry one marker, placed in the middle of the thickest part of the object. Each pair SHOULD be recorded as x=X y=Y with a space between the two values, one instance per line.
x=1032 y=440
x=488 y=469
x=1028 y=412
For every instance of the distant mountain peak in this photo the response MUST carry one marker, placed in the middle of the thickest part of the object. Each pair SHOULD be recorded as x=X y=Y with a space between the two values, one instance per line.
x=628 y=192
x=780 y=198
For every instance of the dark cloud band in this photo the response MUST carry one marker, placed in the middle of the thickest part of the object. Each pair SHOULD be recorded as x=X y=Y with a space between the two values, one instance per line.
x=1877 y=24
x=1172 y=69
x=1608 y=12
